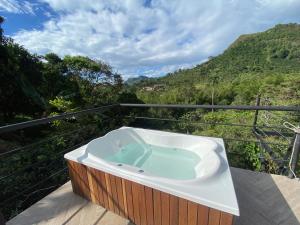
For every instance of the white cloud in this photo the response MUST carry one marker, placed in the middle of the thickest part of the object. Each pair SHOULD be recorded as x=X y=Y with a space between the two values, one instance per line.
x=14 y=6
x=153 y=37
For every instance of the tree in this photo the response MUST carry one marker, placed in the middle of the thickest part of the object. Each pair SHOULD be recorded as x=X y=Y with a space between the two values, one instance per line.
x=94 y=71
x=97 y=82
x=57 y=82
x=20 y=74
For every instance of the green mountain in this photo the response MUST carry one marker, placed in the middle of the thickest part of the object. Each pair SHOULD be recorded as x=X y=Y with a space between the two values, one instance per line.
x=253 y=61
x=277 y=49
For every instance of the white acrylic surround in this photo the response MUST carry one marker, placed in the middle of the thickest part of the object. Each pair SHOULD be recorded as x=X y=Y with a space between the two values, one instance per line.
x=212 y=187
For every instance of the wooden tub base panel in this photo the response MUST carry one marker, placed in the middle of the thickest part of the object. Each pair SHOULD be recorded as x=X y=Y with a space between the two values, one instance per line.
x=140 y=204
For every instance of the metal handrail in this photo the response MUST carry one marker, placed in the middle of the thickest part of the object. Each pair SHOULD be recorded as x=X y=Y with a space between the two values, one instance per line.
x=31 y=123
x=225 y=107
x=204 y=123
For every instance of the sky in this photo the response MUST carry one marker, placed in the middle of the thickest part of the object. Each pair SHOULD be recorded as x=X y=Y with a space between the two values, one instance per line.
x=141 y=37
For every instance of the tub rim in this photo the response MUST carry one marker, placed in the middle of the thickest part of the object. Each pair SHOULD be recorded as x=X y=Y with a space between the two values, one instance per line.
x=216 y=193
x=134 y=170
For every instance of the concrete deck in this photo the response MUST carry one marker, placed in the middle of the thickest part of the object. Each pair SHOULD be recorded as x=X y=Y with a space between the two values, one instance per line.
x=264 y=199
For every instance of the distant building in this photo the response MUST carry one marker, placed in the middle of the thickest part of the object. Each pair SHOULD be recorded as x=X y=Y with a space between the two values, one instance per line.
x=156 y=87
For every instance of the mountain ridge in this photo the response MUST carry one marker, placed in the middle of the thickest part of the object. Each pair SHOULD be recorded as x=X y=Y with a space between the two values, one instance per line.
x=274 y=50
x=266 y=62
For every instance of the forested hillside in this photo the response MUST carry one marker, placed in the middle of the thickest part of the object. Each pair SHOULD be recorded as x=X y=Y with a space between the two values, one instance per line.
x=266 y=62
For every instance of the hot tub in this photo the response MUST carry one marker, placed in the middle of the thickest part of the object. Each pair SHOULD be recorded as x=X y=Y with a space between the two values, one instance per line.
x=156 y=177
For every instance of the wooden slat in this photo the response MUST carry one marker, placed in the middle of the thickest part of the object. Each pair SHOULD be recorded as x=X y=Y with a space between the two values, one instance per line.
x=157 y=207
x=226 y=219
x=174 y=210
x=120 y=196
x=114 y=193
x=142 y=204
x=80 y=179
x=73 y=177
x=182 y=211
x=102 y=188
x=92 y=185
x=202 y=215
x=135 y=201
x=192 y=213
x=165 y=206
x=109 y=192
x=98 y=183
x=214 y=217
x=84 y=181
x=77 y=175
x=125 y=198
x=149 y=205
x=129 y=198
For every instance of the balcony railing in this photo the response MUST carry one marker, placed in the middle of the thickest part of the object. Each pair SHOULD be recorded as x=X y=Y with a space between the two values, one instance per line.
x=32 y=170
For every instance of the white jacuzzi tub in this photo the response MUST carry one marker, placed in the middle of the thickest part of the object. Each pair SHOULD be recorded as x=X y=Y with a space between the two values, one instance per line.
x=164 y=156
x=187 y=166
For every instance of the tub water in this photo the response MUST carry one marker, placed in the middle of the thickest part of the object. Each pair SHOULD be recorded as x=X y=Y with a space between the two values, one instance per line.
x=163 y=155
x=168 y=162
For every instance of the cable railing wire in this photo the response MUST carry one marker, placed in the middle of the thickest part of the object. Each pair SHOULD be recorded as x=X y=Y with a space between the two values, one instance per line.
x=208 y=123
x=261 y=157
x=250 y=141
x=39 y=142
x=44 y=141
x=253 y=141
x=39 y=190
x=58 y=154
x=3 y=203
x=31 y=123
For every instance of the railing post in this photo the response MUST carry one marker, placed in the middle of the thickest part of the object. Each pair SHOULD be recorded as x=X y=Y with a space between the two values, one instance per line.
x=295 y=154
x=254 y=130
x=256 y=112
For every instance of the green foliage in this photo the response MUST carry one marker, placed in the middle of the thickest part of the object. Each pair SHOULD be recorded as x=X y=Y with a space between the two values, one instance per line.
x=34 y=85
x=92 y=70
x=20 y=75
x=251 y=153
x=61 y=104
